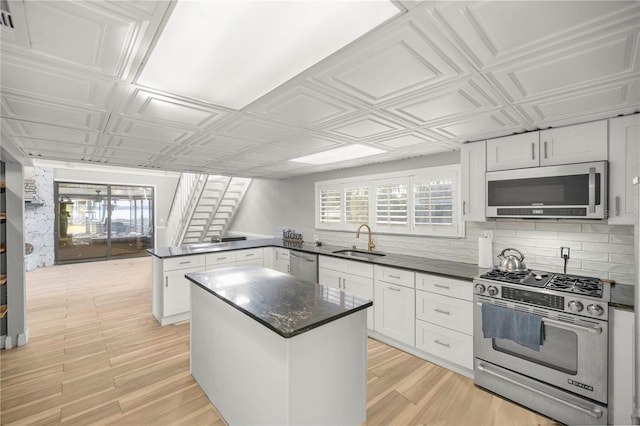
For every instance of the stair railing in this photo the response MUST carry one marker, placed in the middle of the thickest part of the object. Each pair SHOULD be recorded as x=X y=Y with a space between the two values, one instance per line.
x=185 y=200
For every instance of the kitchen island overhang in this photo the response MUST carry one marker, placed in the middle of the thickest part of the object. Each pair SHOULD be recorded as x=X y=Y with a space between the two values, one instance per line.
x=267 y=348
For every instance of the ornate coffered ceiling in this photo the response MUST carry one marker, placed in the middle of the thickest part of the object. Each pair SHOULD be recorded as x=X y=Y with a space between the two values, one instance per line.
x=439 y=75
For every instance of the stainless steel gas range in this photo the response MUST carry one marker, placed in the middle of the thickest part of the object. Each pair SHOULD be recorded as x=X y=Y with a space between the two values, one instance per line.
x=565 y=377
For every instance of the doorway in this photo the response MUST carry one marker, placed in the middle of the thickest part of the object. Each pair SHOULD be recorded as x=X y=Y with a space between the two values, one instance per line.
x=102 y=221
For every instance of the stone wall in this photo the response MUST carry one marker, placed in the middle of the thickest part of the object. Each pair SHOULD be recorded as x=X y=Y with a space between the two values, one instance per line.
x=39 y=217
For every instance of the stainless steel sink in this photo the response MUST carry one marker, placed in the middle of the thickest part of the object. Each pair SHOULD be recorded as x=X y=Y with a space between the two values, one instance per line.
x=359 y=253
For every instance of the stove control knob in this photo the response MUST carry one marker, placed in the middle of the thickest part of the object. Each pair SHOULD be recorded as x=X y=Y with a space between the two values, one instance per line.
x=479 y=288
x=595 y=310
x=492 y=290
x=575 y=306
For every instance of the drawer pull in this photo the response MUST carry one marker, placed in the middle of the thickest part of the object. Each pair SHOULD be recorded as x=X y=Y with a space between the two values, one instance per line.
x=186 y=262
x=446 y=287
x=440 y=311
x=249 y=254
x=394 y=289
x=446 y=345
x=394 y=277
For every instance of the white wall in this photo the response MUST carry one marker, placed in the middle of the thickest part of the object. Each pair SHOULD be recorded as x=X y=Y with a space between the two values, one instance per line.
x=597 y=249
x=39 y=221
x=272 y=204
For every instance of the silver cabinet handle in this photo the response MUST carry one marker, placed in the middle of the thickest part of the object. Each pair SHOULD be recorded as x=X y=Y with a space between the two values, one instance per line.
x=595 y=413
x=186 y=262
x=446 y=345
x=592 y=189
x=394 y=277
x=446 y=287
x=440 y=311
x=166 y=282
x=249 y=254
x=533 y=150
x=394 y=289
x=617 y=205
x=545 y=150
x=464 y=207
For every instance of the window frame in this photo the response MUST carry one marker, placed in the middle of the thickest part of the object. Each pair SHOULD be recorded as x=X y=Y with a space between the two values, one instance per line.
x=409 y=178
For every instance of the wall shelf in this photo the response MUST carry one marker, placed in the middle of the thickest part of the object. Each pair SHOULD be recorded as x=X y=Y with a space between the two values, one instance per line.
x=32 y=204
x=3 y=310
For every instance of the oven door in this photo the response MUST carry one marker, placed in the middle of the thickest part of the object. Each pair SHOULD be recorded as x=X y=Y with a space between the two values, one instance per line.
x=573 y=356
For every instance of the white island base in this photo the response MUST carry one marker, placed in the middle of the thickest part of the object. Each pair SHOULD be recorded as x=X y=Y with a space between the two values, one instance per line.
x=254 y=376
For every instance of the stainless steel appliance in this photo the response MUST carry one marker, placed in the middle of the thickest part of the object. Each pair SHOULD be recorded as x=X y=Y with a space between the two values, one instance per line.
x=304 y=266
x=566 y=191
x=567 y=378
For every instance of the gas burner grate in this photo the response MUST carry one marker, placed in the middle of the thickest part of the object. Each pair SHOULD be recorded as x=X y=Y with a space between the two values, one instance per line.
x=575 y=284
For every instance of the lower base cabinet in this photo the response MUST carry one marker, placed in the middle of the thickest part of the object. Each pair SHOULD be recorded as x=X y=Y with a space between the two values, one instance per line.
x=444 y=343
x=394 y=304
x=621 y=375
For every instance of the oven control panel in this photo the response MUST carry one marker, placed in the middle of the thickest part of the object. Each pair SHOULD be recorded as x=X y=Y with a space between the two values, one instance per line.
x=535 y=298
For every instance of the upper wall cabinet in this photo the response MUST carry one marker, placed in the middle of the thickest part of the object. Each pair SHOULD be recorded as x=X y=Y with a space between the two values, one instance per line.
x=563 y=145
x=624 y=158
x=513 y=152
x=574 y=144
x=473 y=167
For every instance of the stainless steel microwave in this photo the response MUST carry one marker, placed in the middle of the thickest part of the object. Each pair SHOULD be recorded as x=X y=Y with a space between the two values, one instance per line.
x=576 y=191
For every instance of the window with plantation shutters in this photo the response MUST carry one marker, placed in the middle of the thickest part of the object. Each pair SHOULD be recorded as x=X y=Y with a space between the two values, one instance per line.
x=433 y=202
x=423 y=202
x=356 y=204
x=391 y=205
x=330 y=206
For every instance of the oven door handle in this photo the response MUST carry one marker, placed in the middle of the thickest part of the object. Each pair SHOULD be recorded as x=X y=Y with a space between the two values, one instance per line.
x=596 y=329
x=595 y=413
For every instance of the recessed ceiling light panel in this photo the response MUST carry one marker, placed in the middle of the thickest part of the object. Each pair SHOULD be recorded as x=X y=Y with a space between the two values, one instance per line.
x=232 y=52
x=345 y=153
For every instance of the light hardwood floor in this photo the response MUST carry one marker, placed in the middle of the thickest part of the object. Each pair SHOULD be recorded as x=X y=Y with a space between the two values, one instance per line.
x=97 y=356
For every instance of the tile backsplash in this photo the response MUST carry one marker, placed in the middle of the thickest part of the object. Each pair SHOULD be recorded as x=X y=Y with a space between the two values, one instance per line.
x=599 y=250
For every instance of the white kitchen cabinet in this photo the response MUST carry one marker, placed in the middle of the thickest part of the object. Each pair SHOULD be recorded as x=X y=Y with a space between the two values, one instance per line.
x=394 y=303
x=282 y=260
x=249 y=257
x=621 y=375
x=350 y=276
x=513 y=152
x=473 y=162
x=581 y=143
x=444 y=319
x=624 y=158
x=220 y=260
x=170 y=288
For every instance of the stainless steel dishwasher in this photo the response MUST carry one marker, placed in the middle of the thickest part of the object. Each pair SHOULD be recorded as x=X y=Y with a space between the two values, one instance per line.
x=304 y=266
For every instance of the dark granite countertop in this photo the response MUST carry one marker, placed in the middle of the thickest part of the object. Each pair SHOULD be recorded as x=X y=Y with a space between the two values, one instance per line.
x=622 y=296
x=284 y=304
x=466 y=271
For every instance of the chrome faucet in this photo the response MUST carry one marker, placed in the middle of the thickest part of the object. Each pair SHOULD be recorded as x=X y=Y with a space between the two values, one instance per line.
x=370 y=245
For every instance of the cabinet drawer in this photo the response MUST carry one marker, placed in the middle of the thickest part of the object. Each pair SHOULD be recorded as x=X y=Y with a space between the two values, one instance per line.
x=445 y=286
x=444 y=343
x=395 y=276
x=282 y=254
x=182 y=262
x=445 y=311
x=242 y=255
x=349 y=266
x=215 y=259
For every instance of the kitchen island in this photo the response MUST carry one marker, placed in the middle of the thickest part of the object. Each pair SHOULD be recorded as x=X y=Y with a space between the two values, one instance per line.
x=267 y=348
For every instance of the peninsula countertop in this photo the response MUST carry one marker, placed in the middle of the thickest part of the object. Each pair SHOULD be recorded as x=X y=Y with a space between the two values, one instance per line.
x=281 y=302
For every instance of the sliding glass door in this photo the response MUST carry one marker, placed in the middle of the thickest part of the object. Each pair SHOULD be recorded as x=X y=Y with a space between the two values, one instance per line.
x=100 y=222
